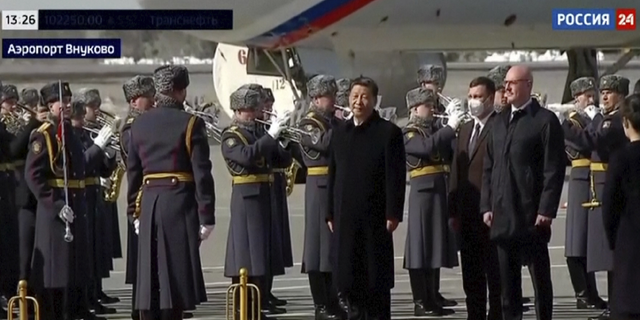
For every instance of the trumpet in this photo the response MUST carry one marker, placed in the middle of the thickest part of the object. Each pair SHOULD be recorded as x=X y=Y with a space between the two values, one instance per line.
x=346 y=112
x=210 y=121
x=466 y=117
x=292 y=133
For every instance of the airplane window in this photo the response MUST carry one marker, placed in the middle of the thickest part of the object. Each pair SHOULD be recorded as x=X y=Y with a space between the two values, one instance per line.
x=259 y=63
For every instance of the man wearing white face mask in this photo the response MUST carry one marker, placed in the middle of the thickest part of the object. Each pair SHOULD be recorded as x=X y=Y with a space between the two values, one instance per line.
x=478 y=255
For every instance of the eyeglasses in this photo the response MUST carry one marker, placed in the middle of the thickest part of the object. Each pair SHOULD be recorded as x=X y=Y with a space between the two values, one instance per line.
x=513 y=82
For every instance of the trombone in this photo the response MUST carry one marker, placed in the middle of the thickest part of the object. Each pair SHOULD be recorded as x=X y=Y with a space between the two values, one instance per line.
x=292 y=133
x=210 y=122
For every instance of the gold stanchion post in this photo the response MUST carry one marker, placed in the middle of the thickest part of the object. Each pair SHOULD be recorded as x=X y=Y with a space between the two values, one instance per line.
x=23 y=303
x=239 y=310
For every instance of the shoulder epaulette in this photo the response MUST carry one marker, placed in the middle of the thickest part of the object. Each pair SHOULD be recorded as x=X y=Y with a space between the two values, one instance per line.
x=310 y=114
x=44 y=127
x=130 y=120
x=614 y=111
x=572 y=114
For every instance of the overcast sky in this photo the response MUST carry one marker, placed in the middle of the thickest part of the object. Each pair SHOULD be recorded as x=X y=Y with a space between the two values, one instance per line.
x=68 y=4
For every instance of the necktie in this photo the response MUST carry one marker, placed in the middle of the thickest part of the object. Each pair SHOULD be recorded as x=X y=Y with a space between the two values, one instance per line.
x=514 y=114
x=474 y=138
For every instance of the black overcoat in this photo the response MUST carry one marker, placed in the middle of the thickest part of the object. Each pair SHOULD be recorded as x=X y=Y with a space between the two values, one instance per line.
x=367 y=182
x=524 y=171
x=621 y=217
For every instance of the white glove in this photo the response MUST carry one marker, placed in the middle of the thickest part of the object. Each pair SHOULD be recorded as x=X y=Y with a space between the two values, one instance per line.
x=26 y=116
x=205 y=232
x=277 y=125
x=454 y=119
x=66 y=214
x=136 y=226
x=105 y=182
x=103 y=137
x=591 y=111
x=454 y=105
x=561 y=116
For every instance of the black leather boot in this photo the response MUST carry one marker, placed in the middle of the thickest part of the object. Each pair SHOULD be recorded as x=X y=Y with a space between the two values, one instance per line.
x=323 y=313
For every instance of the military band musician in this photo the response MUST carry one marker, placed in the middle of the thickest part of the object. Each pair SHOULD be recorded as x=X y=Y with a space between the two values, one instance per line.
x=247 y=152
x=97 y=164
x=322 y=90
x=430 y=243
x=605 y=135
x=584 y=93
x=139 y=92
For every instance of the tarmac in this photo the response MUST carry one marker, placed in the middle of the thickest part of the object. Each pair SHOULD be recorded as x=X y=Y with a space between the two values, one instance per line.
x=294 y=285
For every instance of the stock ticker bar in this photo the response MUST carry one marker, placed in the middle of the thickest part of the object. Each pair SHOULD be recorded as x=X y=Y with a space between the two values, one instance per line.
x=61 y=48
x=117 y=19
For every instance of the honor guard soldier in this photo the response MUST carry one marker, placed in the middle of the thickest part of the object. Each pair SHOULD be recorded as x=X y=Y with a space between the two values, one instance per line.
x=282 y=159
x=322 y=90
x=432 y=77
x=96 y=165
x=171 y=199
x=430 y=243
x=498 y=74
x=105 y=226
x=605 y=135
x=13 y=123
x=584 y=92
x=26 y=202
x=280 y=163
x=54 y=172
x=246 y=152
x=139 y=93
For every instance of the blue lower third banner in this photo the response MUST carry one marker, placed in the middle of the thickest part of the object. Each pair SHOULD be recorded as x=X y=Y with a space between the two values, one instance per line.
x=61 y=48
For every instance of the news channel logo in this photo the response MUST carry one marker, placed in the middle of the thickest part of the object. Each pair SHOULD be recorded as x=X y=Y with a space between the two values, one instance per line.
x=594 y=19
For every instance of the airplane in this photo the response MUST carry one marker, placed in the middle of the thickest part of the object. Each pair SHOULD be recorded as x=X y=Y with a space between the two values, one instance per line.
x=281 y=43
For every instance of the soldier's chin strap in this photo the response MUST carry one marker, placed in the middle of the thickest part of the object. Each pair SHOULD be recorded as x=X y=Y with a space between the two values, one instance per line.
x=66 y=210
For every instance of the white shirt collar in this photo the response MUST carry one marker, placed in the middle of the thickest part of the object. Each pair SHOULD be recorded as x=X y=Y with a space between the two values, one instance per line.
x=356 y=122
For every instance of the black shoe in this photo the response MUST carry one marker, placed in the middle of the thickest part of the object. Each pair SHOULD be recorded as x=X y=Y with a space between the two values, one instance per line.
x=105 y=299
x=135 y=315
x=323 y=313
x=433 y=311
x=598 y=304
x=187 y=315
x=87 y=315
x=526 y=300
x=273 y=310
x=277 y=302
x=347 y=310
x=605 y=315
x=100 y=309
x=525 y=309
x=446 y=302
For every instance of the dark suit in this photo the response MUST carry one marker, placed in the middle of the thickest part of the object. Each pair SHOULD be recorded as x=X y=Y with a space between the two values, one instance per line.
x=621 y=218
x=479 y=256
x=524 y=170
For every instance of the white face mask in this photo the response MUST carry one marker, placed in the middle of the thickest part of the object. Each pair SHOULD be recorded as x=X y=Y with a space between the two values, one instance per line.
x=476 y=107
